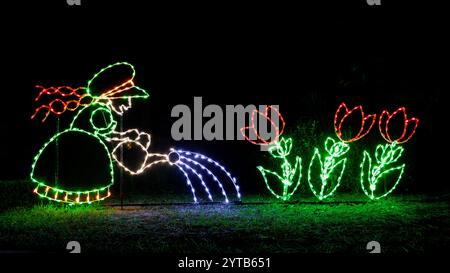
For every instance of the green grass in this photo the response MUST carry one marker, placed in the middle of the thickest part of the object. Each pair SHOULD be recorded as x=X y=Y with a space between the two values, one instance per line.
x=400 y=224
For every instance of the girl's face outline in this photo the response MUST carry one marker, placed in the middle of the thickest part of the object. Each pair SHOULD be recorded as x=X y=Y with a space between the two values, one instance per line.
x=119 y=105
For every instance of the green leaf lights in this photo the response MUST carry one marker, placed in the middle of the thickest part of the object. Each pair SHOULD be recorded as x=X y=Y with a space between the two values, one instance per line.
x=375 y=173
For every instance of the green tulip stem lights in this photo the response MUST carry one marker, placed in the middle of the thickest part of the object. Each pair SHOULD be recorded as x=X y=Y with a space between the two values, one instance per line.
x=376 y=173
x=281 y=150
x=373 y=174
x=323 y=186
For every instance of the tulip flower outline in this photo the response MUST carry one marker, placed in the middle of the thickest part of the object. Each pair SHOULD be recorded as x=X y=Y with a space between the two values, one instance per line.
x=343 y=113
x=383 y=125
x=265 y=115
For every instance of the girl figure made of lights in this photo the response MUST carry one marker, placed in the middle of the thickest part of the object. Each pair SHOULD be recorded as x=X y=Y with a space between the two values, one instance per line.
x=87 y=180
x=106 y=95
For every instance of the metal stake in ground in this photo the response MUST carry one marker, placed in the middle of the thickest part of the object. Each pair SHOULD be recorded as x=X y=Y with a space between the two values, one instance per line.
x=121 y=169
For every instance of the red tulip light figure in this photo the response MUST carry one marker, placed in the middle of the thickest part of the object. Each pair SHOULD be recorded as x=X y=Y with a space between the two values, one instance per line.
x=254 y=136
x=373 y=174
x=409 y=126
x=343 y=113
x=325 y=174
x=279 y=148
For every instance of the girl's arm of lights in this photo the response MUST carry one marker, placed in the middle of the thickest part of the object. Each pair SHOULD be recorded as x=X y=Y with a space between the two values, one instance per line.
x=132 y=135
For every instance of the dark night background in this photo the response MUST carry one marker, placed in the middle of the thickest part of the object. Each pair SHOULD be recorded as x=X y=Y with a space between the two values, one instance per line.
x=307 y=59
